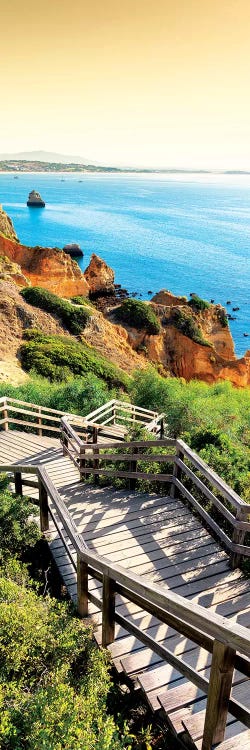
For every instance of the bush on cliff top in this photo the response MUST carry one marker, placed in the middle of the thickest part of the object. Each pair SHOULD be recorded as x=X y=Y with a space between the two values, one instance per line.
x=139 y=315
x=73 y=317
x=198 y=304
x=58 y=358
x=185 y=324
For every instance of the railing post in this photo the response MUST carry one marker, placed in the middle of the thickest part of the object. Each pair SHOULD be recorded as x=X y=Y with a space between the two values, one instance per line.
x=18 y=483
x=133 y=467
x=176 y=472
x=82 y=587
x=44 y=506
x=162 y=428
x=238 y=538
x=40 y=432
x=82 y=463
x=108 y=611
x=220 y=683
x=5 y=415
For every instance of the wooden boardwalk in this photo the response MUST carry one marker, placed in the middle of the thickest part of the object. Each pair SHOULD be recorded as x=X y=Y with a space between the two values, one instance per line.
x=160 y=539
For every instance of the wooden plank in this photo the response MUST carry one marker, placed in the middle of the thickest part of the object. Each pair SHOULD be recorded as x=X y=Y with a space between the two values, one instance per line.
x=241 y=741
x=203 y=513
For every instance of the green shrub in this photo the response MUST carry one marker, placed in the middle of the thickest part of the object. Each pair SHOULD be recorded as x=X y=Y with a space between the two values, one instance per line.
x=54 y=682
x=138 y=314
x=222 y=317
x=198 y=304
x=73 y=317
x=17 y=530
x=79 y=300
x=57 y=357
x=186 y=325
x=78 y=395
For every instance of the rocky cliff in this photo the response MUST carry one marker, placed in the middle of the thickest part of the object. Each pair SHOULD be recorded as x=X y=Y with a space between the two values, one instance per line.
x=42 y=266
x=210 y=358
x=99 y=276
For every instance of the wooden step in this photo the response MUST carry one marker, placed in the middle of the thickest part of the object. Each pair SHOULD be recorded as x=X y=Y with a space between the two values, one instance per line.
x=238 y=742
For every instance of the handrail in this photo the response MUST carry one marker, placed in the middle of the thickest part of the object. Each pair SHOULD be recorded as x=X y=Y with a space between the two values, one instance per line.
x=89 y=459
x=215 y=626
x=228 y=642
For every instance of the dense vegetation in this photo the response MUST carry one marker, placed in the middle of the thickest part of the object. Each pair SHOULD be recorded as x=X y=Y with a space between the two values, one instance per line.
x=198 y=304
x=139 y=315
x=73 y=317
x=187 y=325
x=213 y=419
x=54 y=682
x=58 y=358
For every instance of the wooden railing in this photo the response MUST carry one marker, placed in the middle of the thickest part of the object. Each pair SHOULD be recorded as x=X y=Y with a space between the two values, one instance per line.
x=94 y=459
x=228 y=642
x=42 y=419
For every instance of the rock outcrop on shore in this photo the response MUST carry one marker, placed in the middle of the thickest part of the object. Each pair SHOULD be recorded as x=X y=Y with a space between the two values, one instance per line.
x=100 y=277
x=42 y=266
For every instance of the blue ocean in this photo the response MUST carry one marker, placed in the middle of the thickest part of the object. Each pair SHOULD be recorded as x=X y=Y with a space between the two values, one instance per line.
x=187 y=233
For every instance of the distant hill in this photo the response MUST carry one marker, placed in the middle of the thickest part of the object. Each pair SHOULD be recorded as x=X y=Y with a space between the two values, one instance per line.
x=44 y=156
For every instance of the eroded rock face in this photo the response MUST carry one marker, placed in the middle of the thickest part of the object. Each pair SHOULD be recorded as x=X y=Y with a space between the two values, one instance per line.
x=99 y=276
x=164 y=297
x=10 y=271
x=6 y=226
x=46 y=267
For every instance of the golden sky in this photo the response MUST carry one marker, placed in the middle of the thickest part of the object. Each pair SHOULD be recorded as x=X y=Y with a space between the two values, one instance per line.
x=144 y=82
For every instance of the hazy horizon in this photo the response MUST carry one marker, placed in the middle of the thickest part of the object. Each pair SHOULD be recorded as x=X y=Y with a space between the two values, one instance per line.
x=147 y=84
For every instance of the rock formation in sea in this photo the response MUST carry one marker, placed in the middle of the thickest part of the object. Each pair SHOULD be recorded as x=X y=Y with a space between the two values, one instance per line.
x=35 y=200
x=100 y=277
x=73 y=249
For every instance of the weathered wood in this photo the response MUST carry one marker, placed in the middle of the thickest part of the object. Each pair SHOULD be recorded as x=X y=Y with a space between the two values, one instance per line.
x=205 y=491
x=18 y=483
x=133 y=470
x=203 y=513
x=44 y=506
x=212 y=477
x=176 y=472
x=5 y=416
x=241 y=741
x=108 y=610
x=238 y=538
x=220 y=685
x=82 y=587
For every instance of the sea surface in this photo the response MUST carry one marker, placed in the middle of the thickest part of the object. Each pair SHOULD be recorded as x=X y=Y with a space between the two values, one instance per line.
x=188 y=233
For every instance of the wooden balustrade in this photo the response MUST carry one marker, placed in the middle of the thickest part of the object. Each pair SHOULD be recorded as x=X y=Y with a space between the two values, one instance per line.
x=228 y=642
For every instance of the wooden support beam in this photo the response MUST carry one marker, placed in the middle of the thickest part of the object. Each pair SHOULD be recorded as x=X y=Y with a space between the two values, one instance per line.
x=18 y=483
x=82 y=587
x=108 y=611
x=220 y=684
x=133 y=468
x=5 y=416
x=176 y=473
x=238 y=538
x=44 y=507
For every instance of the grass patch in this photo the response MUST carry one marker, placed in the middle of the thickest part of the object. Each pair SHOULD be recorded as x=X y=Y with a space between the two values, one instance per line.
x=186 y=325
x=139 y=315
x=57 y=358
x=198 y=304
x=73 y=317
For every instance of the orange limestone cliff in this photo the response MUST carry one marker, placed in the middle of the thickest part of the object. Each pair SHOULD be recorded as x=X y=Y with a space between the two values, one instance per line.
x=193 y=344
x=42 y=266
x=100 y=276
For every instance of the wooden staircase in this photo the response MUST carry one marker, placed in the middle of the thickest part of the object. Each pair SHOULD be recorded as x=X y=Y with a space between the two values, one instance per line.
x=167 y=603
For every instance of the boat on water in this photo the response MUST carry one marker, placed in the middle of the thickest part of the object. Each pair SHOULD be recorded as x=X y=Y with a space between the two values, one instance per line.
x=35 y=200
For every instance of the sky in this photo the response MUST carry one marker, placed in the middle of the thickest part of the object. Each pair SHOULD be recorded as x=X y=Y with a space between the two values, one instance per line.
x=161 y=83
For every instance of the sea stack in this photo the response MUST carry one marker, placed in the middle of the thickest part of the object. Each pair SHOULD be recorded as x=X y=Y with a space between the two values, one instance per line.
x=73 y=250
x=35 y=200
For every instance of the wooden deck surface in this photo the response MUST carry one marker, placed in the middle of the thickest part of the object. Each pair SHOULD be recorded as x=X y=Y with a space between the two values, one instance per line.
x=158 y=538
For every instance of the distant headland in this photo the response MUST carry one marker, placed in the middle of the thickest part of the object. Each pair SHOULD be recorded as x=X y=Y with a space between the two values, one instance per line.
x=48 y=161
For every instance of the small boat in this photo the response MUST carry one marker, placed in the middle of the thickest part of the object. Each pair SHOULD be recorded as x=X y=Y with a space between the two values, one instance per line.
x=235 y=308
x=246 y=334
